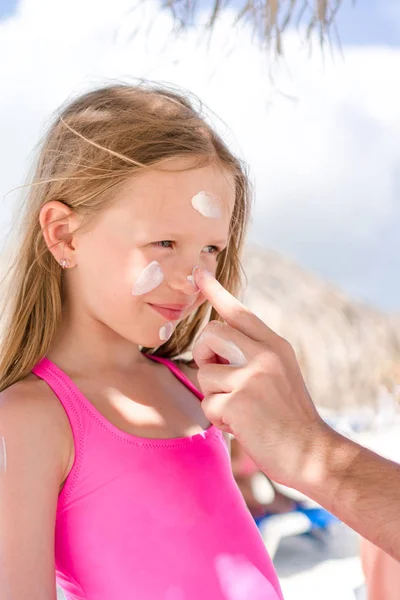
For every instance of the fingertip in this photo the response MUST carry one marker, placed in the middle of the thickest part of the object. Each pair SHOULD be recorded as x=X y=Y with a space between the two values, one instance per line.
x=202 y=274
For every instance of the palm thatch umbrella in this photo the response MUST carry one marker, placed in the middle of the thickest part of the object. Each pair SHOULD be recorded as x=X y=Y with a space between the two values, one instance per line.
x=347 y=350
x=269 y=19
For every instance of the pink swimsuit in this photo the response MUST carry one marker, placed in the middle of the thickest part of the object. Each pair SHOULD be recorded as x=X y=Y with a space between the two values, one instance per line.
x=152 y=519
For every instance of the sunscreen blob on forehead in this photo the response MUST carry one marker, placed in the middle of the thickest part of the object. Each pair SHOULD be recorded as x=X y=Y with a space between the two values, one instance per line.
x=207 y=205
x=150 y=278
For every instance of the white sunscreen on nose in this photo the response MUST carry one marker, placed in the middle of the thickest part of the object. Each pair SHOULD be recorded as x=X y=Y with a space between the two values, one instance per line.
x=191 y=279
x=166 y=331
x=149 y=279
x=207 y=205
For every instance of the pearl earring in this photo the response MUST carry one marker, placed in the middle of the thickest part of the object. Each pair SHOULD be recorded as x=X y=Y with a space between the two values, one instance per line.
x=64 y=262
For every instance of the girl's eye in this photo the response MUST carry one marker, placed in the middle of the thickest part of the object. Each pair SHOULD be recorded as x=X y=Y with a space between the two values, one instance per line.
x=164 y=244
x=212 y=250
x=170 y=244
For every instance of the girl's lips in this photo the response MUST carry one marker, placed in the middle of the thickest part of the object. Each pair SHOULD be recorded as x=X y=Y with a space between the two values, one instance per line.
x=172 y=314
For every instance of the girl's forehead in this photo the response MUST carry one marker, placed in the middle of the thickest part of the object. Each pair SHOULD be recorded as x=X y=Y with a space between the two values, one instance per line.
x=168 y=193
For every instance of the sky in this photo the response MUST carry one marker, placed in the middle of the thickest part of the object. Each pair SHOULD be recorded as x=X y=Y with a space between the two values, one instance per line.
x=320 y=133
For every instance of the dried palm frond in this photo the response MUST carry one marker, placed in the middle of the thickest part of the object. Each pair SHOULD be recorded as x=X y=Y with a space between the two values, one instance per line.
x=348 y=351
x=269 y=19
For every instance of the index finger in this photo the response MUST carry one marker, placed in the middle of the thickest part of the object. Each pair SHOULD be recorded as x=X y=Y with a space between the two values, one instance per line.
x=230 y=308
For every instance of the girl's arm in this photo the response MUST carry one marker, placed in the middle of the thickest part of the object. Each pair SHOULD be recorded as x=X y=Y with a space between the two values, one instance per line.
x=32 y=460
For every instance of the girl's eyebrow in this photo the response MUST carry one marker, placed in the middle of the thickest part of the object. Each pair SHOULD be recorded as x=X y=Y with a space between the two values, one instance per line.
x=169 y=235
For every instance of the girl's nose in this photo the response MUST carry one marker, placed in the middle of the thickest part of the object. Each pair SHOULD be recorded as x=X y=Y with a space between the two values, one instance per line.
x=184 y=281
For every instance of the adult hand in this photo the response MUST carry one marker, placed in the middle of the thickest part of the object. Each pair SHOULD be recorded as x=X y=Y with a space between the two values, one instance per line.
x=260 y=396
x=262 y=399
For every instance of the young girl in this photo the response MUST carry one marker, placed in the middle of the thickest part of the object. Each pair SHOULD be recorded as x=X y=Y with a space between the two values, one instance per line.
x=111 y=476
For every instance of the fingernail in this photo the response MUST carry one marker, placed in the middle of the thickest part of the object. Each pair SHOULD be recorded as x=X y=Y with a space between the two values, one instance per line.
x=191 y=278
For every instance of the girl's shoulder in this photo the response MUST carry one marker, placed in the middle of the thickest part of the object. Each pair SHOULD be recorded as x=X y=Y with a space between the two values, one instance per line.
x=32 y=396
x=31 y=413
x=29 y=396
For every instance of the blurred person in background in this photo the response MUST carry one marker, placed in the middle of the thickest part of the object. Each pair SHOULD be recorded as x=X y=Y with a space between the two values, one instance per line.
x=381 y=571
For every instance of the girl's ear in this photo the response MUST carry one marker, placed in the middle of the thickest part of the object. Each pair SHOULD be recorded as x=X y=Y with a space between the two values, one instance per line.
x=59 y=223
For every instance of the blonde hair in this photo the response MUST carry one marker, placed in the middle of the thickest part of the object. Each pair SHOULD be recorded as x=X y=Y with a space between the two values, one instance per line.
x=93 y=146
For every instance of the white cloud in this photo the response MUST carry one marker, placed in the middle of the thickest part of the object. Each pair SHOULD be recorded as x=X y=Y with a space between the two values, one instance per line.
x=322 y=139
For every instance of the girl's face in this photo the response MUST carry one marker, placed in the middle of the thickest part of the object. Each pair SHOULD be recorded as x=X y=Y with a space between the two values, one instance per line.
x=158 y=218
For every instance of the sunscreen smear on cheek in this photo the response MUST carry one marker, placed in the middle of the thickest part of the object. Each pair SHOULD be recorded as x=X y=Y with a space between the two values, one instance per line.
x=149 y=279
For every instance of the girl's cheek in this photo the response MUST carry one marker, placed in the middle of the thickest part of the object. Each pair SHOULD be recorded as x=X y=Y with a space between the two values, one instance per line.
x=198 y=302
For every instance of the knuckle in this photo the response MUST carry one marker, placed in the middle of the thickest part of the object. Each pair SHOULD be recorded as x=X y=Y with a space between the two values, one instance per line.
x=257 y=376
x=288 y=351
x=205 y=372
x=284 y=345
x=238 y=399
x=270 y=362
x=211 y=409
x=201 y=377
x=240 y=312
x=212 y=326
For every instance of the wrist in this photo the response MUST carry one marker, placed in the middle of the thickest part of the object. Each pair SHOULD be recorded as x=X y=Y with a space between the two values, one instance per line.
x=328 y=464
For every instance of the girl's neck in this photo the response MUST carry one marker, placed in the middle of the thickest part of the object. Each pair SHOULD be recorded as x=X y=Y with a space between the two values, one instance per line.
x=91 y=346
